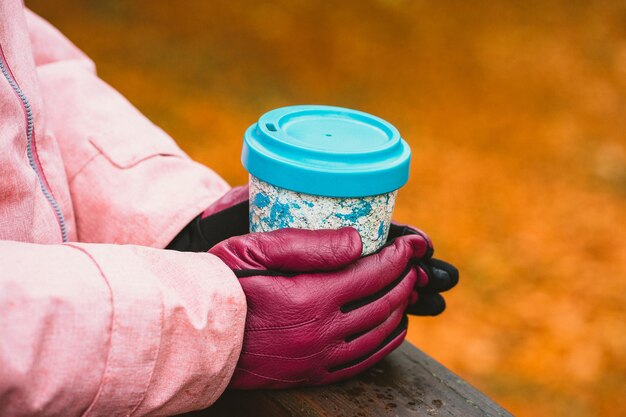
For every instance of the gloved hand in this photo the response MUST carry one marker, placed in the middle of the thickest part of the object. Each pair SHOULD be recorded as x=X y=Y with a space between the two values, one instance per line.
x=317 y=311
x=228 y=217
x=434 y=276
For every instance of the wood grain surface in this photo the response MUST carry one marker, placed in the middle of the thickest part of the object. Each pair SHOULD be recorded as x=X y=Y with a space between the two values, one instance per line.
x=407 y=383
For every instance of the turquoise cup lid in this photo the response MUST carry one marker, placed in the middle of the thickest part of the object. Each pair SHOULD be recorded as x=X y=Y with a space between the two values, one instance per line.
x=327 y=151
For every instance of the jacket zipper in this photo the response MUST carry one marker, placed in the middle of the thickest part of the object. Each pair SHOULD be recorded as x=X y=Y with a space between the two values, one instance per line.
x=31 y=150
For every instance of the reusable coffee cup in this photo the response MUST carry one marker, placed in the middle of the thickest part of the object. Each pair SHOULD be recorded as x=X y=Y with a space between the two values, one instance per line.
x=324 y=167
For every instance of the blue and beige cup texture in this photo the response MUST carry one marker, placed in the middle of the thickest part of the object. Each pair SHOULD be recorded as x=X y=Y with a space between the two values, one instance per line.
x=324 y=167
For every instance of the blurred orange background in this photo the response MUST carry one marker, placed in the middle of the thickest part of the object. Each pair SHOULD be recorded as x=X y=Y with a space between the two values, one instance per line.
x=516 y=114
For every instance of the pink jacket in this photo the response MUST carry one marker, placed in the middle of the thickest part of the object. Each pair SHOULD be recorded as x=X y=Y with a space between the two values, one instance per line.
x=95 y=318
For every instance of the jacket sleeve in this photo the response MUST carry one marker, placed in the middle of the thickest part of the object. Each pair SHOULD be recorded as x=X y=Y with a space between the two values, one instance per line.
x=129 y=181
x=114 y=330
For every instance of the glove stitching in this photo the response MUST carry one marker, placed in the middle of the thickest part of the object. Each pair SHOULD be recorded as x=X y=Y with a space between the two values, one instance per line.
x=289 y=326
x=290 y=381
x=264 y=355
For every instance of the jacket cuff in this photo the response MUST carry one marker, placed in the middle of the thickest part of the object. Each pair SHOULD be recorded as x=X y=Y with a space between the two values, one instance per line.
x=176 y=332
x=134 y=335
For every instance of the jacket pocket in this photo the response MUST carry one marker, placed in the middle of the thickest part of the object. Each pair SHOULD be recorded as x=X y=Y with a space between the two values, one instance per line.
x=128 y=150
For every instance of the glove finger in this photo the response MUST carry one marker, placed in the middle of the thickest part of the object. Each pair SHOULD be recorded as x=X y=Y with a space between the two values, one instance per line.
x=442 y=276
x=422 y=277
x=357 y=353
x=290 y=250
x=427 y=305
x=395 y=340
x=363 y=319
x=373 y=276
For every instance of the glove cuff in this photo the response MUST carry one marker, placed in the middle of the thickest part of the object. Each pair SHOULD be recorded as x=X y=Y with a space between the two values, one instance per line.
x=205 y=232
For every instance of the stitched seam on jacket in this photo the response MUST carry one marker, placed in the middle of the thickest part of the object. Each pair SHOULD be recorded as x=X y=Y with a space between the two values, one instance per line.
x=110 y=341
x=112 y=330
x=156 y=358
x=99 y=152
x=186 y=213
x=82 y=168
x=150 y=150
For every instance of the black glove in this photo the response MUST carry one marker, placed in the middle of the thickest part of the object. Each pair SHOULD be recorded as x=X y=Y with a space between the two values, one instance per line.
x=225 y=218
x=437 y=276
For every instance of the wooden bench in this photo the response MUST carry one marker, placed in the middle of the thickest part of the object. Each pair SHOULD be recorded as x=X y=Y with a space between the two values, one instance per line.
x=407 y=383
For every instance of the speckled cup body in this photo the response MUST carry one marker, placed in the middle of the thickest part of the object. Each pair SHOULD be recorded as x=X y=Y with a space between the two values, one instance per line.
x=274 y=208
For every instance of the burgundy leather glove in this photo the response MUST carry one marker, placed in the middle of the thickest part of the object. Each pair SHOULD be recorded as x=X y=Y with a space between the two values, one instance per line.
x=434 y=276
x=228 y=217
x=317 y=311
